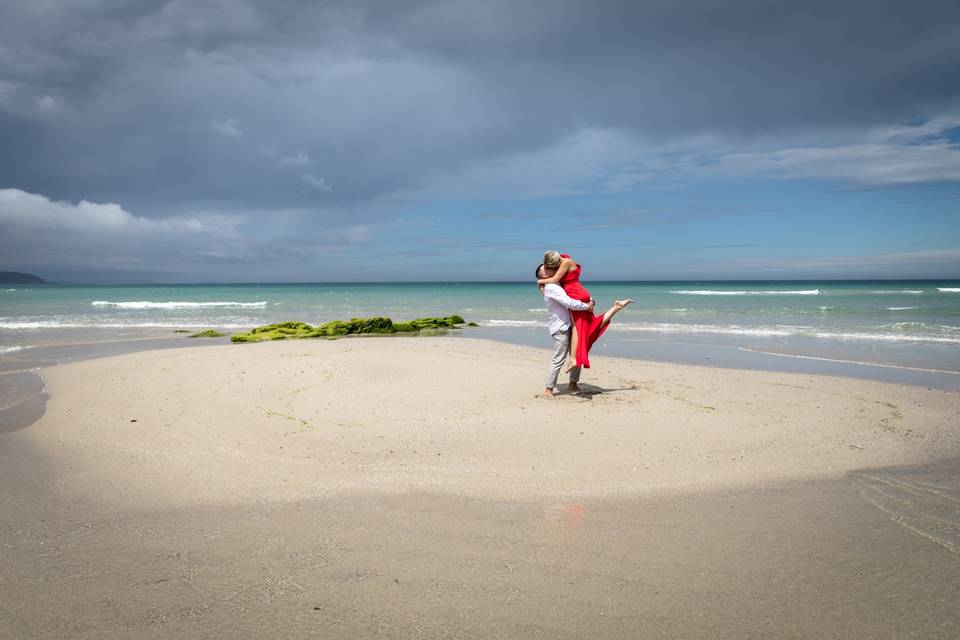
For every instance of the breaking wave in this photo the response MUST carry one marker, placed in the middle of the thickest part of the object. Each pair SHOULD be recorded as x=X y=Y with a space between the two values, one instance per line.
x=145 y=304
x=942 y=335
x=57 y=324
x=896 y=291
x=711 y=292
x=515 y=323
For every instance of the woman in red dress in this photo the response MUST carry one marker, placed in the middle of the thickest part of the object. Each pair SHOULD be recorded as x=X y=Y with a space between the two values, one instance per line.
x=587 y=327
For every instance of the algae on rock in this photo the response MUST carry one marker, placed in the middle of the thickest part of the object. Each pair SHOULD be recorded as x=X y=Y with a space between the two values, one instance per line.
x=337 y=328
x=209 y=333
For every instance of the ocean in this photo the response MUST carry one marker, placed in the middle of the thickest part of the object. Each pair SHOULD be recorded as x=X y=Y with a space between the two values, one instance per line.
x=893 y=330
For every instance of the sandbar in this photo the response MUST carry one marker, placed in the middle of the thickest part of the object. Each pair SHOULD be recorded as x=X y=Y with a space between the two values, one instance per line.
x=421 y=487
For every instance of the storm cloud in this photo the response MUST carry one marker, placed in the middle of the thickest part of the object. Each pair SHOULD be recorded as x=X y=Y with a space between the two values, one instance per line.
x=332 y=115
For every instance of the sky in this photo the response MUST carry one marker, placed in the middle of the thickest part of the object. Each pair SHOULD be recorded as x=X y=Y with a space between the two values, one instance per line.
x=376 y=140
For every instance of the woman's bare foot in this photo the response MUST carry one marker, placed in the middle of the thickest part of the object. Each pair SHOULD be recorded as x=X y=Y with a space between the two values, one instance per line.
x=573 y=387
x=618 y=306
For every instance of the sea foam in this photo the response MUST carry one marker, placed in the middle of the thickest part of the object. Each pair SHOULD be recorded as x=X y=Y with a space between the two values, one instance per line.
x=57 y=324
x=515 y=323
x=898 y=333
x=12 y=349
x=711 y=292
x=146 y=304
x=949 y=289
x=896 y=291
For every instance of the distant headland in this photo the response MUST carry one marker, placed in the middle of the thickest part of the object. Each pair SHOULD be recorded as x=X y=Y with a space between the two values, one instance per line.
x=14 y=277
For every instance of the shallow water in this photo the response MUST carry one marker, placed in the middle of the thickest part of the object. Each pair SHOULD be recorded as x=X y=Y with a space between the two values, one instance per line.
x=925 y=312
x=23 y=398
x=877 y=329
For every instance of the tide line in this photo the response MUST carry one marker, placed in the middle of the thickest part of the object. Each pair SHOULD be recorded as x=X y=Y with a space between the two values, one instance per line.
x=868 y=364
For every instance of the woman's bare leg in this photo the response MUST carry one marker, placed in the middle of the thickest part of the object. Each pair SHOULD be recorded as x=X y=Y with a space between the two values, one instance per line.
x=572 y=356
x=614 y=310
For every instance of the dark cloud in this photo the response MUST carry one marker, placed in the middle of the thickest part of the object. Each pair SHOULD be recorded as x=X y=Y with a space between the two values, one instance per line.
x=342 y=109
x=119 y=100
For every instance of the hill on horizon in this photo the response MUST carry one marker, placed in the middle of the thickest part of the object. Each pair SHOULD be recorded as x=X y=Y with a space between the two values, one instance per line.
x=15 y=277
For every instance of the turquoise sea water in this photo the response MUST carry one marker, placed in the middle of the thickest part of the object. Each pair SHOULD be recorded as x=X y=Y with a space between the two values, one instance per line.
x=913 y=324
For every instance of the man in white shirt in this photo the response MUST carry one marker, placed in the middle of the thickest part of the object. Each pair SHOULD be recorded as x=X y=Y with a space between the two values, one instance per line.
x=558 y=325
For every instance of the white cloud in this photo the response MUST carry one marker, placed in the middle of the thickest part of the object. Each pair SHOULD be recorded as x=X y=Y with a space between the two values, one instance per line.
x=71 y=239
x=299 y=160
x=872 y=164
x=36 y=211
x=571 y=166
x=229 y=128
x=885 y=156
x=33 y=210
x=47 y=103
x=594 y=160
x=626 y=181
x=940 y=257
x=316 y=182
x=89 y=240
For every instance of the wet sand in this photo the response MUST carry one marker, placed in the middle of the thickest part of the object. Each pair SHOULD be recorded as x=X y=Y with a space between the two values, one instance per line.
x=802 y=560
x=418 y=488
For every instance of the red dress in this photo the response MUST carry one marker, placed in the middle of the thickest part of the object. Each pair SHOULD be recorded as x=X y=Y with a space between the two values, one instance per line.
x=589 y=326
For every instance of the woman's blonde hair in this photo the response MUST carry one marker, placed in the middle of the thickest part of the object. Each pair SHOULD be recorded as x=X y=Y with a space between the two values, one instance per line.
x=551 y=259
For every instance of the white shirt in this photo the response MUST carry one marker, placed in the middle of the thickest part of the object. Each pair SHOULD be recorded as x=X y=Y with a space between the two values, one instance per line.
x=558 y=306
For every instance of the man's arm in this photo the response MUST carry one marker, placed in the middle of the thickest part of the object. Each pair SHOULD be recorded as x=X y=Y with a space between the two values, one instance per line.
x=556 y=292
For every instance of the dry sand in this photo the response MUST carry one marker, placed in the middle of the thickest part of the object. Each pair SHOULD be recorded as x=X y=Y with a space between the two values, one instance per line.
x=395 y=487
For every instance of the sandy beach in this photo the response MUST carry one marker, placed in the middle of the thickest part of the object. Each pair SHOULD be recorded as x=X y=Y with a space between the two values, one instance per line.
x=420 y=487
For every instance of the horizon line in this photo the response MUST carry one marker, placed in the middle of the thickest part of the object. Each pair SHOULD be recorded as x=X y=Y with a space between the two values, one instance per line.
x=456 y=282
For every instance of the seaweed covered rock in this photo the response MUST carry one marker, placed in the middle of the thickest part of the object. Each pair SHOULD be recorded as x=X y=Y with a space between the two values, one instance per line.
x=371 y=325
x=276 y=331
x=209 y=333
x=337 y=328
x=334 y=328
x=429 y=323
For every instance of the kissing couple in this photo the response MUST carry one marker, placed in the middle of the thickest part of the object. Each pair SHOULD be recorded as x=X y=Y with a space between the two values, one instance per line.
x=571 y=321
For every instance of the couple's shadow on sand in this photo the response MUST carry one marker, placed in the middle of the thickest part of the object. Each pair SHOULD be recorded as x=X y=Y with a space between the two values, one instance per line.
x=587 y=391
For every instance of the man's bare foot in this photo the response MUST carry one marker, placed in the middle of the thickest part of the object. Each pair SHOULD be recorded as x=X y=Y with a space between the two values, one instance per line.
x=548 y=393
x=620 y=304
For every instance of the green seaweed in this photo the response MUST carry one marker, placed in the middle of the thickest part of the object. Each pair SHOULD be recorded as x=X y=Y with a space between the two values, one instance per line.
x=337 y=328
x=209 y=333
